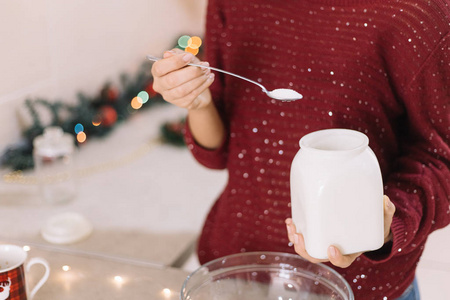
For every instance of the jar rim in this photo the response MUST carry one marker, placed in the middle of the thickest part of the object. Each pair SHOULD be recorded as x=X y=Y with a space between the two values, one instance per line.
x=334 y=140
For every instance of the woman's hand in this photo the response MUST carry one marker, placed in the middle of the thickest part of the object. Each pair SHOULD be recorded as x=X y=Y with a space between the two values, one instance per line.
x=334 y=255
x=182 y=85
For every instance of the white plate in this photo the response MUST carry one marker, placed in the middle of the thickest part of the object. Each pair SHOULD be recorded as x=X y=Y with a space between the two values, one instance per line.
x=66 y=228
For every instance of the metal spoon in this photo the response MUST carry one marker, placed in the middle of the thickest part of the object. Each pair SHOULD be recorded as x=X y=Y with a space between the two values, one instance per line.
x=279 y=94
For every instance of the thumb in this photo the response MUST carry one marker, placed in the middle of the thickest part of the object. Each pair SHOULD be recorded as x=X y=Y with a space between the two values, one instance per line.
x=389 y=210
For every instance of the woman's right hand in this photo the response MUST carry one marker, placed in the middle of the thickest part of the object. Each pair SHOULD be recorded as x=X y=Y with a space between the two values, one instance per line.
x=182 y=85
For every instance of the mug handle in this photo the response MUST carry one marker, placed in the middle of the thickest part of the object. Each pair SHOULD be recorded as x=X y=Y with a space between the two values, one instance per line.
x=38 y=260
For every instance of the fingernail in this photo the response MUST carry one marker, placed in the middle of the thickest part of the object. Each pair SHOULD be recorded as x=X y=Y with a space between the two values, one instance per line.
x=388 y=203
x=211 y=76
x=188 y=57
x=168 y=53
x=296 y=239
x=205 y=70
x=289 y=230
x=333 y=251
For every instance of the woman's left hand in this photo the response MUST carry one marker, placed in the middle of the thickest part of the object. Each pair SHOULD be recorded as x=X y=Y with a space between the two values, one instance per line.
x=334 y=255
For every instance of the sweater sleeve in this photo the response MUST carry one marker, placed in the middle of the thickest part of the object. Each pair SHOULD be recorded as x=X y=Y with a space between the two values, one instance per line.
x=210 y=158
x=419 y=185
x=215 y=22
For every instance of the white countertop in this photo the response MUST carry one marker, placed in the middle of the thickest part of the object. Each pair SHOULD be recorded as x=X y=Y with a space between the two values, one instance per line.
x=143 y=201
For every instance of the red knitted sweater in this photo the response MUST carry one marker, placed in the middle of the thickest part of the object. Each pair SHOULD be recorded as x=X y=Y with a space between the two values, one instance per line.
x=381 y=67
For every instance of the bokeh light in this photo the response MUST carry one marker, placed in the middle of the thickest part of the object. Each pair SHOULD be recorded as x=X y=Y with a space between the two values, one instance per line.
x=79 y=128
x=143 y=95
x=66 y=268
x=136 y=103
x=167 y=293
x=183 y=41
x=81 y=137
x=190 y=44
x=191 y=50
x=108 y=115
x=194 y=42
x=97 y=120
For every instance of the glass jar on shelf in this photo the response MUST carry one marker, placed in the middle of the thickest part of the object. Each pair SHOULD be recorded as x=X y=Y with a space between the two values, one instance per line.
x=54 y=164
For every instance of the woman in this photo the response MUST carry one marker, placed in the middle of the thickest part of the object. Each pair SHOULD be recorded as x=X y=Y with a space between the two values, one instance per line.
x=379 y=67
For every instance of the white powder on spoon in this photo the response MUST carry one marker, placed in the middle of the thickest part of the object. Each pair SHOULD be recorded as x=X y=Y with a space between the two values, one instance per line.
x=285 y=94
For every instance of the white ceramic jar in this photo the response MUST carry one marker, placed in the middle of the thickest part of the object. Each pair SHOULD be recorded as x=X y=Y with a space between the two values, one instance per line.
x=337 y=193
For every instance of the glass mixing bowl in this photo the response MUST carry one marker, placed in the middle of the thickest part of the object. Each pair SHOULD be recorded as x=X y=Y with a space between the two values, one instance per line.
x=265 y=275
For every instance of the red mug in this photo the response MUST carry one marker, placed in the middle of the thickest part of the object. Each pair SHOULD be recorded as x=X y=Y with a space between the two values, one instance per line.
x=12 y=274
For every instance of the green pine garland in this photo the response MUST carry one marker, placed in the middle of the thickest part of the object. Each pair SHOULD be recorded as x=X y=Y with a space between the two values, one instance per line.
x=110 y=107
x=173 y=132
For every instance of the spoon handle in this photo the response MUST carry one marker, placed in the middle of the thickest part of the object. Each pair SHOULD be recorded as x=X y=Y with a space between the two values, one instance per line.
x=153 y=58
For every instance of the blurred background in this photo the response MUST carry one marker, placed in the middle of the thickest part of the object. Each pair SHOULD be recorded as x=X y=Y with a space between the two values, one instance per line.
x=53 y=49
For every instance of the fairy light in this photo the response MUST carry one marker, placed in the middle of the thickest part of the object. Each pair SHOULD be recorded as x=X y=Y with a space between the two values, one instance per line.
x=66 y=268
x=191 y=50
x=118 y=281
x=195 y=42
x=26 y=248
x=67 y=280
x=136 y=103
x=183 y=41
x=143 y=95
x=79 y=128
x=190 y=44
x=81 y=137
x=97 y=120
x=167 y=293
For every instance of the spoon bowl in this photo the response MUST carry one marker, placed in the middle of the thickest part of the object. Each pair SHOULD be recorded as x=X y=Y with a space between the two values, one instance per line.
x=284 y=94
x=278 y=94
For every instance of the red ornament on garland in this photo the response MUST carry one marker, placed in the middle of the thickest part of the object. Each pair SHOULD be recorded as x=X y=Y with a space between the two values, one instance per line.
x=149 y=89
x=176 y=127
x=109 y=93
x=108 y=115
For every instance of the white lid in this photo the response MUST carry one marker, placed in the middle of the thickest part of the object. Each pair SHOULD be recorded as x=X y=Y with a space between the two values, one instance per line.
x=66 y=228
x=53 y=142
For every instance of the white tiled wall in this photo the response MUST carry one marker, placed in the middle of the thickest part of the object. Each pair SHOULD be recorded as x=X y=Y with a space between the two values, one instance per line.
x=54 y=49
